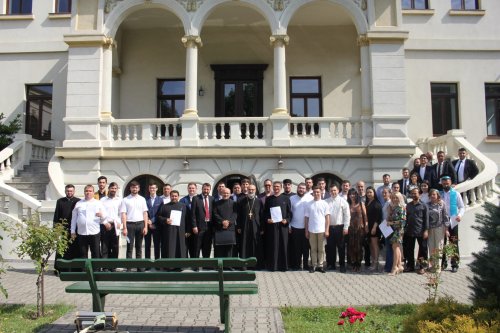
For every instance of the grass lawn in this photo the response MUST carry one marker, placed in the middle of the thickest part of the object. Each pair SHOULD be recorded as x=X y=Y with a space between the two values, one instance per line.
x=16 y=318
x=385 y=318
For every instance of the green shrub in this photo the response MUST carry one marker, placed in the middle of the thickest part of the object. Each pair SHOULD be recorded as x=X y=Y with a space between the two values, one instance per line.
x=7 y=131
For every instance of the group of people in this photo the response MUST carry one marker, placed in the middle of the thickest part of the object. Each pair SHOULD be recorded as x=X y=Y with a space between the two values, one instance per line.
x=282 y=229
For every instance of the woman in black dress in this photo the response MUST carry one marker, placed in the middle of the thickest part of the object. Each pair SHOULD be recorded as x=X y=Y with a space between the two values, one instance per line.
x=374 y=216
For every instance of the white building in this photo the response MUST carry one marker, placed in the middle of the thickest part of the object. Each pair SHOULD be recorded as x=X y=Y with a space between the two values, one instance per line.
x=200 y=90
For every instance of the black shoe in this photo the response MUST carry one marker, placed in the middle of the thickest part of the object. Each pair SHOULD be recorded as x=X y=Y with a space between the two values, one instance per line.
x=56 y=272
x=311 y=269
x=342 y=269
x=196 y=269
x=444 y=266
x=321 y=270
x=454 y=269
x=408 y=270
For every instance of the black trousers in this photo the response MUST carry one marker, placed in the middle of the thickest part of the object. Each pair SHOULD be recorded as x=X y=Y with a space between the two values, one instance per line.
x=89 y=241
x=299 y=249
x=223 y=251
x=409 y=250
x=72 y=252
x=202 y=243
x=453 y=239
x=366 y=250
x=155 y=236
x=134 y=238
x=335 y=242
x=109 y=242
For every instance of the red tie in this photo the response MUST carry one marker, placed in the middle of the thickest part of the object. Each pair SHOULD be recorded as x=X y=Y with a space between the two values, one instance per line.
x=207 y=212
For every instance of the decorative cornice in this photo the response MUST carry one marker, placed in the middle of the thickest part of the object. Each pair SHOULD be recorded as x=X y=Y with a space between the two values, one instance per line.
x=88 y=40
x=190 y=5
x=279 y=40
x=109 y=5
x=363 y=40
x=361 y=4
x=191 y=41
x=279 y=5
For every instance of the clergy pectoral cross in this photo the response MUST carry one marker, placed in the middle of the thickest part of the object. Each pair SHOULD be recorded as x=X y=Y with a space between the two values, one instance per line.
x=250 y=215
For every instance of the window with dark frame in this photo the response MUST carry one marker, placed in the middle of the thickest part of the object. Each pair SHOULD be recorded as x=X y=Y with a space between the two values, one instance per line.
x=63 y=6
x=305 y=101
x=171 y=102
x=19 y=7
x=492 y=96
x=39 y=111
x=444 y=98
x=464 y=4
x=415 y=4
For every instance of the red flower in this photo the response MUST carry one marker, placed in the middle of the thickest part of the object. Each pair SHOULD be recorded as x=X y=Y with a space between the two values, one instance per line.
x=340 y=322
x=352 y=320
x=343 y=315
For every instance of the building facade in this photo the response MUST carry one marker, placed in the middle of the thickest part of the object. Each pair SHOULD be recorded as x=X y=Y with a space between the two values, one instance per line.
x=198 y=90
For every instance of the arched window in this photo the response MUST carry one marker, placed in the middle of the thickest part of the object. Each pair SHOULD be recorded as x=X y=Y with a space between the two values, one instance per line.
x=330 y=179
x=230 y=180
x=144 y=181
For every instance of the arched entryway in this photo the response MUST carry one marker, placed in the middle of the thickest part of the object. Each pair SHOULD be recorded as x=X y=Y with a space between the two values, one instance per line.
x=231 y=179
x=144 y=181
x=330 y=179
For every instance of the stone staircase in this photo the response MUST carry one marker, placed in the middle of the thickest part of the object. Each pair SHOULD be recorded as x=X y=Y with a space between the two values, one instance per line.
x=32 y=180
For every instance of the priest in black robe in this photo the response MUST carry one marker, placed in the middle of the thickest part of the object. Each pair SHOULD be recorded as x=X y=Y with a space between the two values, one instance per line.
x=250 y=226
x=276 y=232
x=62 y=214
x=225 y=215
x=173 y=237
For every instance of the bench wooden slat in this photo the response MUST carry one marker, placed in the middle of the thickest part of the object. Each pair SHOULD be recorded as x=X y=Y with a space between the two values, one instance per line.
x=158 y=263
x=165 y=289
x=159 y=276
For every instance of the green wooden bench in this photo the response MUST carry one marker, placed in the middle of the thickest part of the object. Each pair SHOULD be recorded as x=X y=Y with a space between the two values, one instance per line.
x=99 y=278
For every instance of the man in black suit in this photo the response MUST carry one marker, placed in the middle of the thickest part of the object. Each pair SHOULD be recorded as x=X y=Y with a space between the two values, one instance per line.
x=62 y=214
x=442 y=167
x=201 y=223
x=404 y=183
x=188 y=201
x=465 y=168
x=425 y=171
x=154 y=202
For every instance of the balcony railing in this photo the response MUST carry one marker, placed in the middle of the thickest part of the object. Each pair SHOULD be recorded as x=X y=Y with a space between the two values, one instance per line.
x=236 y=131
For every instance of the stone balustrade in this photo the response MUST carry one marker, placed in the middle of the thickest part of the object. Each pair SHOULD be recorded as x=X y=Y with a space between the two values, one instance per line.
x=235 y=131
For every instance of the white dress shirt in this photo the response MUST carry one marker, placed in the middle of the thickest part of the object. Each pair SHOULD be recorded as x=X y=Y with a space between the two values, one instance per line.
x=84 y=217
x=112 y=209
x=134 y=207
x=316 y=212
x=299 y=205
x=340 y=213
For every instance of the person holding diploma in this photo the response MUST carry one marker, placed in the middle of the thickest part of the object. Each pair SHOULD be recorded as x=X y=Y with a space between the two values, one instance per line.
x=225 y=214
x=172 y=218
x=455 y=209
x=277 y=215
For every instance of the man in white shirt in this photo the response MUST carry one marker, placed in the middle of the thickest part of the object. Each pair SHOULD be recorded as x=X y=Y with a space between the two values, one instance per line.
x=317 y=225
x=167 y=188
x=340 y=217
x=299 y=245
x=134 y=215
x=112 y=223
x=87 y=217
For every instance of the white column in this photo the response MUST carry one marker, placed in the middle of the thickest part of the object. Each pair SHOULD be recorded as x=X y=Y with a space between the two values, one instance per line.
x=366 y=91
x=191 y=43
x=107 y=78
x=279 y=42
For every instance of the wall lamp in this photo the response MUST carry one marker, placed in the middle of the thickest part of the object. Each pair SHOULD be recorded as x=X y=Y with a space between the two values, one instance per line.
x=185 y=164
x=201 y=91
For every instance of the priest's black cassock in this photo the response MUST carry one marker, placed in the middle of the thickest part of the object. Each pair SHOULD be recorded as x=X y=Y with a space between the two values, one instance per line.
x=251 y=225
x=224 y=209
x=173 y=238
x=64 y=208
x=276 y=234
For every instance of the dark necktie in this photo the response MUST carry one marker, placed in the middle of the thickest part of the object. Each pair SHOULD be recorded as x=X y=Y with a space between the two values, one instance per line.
x=207 y=212
x=440 y=170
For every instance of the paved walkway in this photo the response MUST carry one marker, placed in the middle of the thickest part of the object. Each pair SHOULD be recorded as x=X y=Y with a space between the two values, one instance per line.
x=250 y=313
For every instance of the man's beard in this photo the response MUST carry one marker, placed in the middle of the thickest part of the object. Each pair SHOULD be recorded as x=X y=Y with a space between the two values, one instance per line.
x=446 y=187
x=251 y=195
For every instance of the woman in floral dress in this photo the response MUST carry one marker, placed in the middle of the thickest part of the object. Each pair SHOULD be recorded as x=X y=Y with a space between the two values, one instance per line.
x=358 y=228
x=397 y=220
